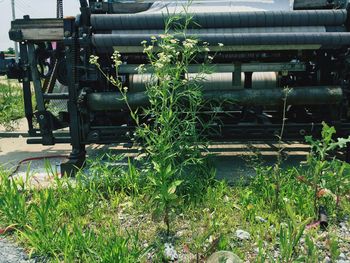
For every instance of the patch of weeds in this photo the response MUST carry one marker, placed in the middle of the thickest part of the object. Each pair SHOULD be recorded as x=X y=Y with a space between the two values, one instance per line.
x=14 y=201
x=11 y=105
x=327 y=176
x=59 y=223
x=290 y=235
x=334 y=250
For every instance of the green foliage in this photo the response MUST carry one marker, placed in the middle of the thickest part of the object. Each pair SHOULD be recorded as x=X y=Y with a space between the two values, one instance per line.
x=290 y=235
x=11 y=105
x=13 y=201
x=52 y=222
x=334 y=248
x=10 y=50
x=312 y=253
x=326 y=176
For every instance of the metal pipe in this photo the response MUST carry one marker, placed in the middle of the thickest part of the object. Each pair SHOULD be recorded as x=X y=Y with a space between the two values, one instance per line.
x=266 y=97
x=223 y=19
x=57 y=140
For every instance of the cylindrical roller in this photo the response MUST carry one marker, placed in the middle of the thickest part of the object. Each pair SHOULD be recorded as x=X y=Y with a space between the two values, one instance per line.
x=329 y=95
x=223 y=19
x=329 y=39
x=289 y=29
x=221 y=81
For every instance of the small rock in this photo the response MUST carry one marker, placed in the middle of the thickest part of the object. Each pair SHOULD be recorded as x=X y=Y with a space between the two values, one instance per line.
x=327 y=260
x=224 y=257
x=260 y=219
x=242 y=235
x=342 y=256
x=170 y=253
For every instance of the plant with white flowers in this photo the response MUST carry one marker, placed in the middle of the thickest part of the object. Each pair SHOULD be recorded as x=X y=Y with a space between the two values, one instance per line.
x=175 y=169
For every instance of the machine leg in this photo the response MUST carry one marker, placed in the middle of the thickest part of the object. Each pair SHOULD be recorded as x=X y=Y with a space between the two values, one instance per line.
x=75 y=161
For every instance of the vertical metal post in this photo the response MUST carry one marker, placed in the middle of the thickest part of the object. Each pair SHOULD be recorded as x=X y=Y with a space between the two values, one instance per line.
x=237 y=77
x=13 y=18
x=27 y=94
x=77 y=156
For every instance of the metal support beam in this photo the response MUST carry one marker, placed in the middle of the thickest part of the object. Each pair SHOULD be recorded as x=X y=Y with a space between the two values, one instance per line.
x=13 y=18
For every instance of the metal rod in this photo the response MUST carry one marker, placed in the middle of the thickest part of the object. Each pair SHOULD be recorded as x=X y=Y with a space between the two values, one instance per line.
x=13 y=18
x=55 y=140
x=56 y=96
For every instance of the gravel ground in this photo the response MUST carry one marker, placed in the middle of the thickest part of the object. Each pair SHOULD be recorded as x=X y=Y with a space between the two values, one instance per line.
x=11 y=253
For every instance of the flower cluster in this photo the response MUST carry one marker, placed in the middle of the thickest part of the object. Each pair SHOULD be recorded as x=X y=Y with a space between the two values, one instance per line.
x=189 y=43
x=163 y=59
x=93 y=60
x=116 y=57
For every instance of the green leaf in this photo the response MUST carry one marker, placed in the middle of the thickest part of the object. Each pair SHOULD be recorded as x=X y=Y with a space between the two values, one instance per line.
x=174 y=185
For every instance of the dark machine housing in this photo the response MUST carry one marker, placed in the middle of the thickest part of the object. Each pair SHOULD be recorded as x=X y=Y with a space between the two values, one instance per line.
x=305 y=49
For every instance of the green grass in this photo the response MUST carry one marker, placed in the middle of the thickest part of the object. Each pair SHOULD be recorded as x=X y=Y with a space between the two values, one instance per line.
x=99 y=218
x=11 y=105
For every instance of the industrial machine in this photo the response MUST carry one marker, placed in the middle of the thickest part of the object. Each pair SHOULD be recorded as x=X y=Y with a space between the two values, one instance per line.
x=267 y=46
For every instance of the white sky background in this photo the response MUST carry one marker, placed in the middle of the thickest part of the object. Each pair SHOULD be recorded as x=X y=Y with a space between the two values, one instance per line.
x=34 y=8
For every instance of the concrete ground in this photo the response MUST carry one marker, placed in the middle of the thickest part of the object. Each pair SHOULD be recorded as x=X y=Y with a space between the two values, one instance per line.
x=232 y=160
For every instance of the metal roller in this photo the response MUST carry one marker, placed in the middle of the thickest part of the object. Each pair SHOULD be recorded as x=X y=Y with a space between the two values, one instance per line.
x=328 y=39
x=327 y=95
x=223 y=19
x=221 y=81
x=254 y=30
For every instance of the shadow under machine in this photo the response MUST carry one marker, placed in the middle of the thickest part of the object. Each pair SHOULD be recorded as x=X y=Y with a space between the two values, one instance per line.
x=268 y=46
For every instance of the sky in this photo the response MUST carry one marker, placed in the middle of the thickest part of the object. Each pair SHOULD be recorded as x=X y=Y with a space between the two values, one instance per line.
x=34 y=8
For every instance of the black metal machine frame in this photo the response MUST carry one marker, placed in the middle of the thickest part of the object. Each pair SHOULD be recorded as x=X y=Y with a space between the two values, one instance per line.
x=92 y=117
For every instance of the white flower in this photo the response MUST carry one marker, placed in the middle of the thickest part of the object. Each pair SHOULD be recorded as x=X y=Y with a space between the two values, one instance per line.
x=189 y=43
x=144 y=42
x=220 y=44
x=159 y=65
x=125 y=89
x=93 y=60
x=206 y=49
x=116 y=58
x=210 y=58
x=118 y=63
x=116 y=54
x=140 y=68
x=148 y=49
